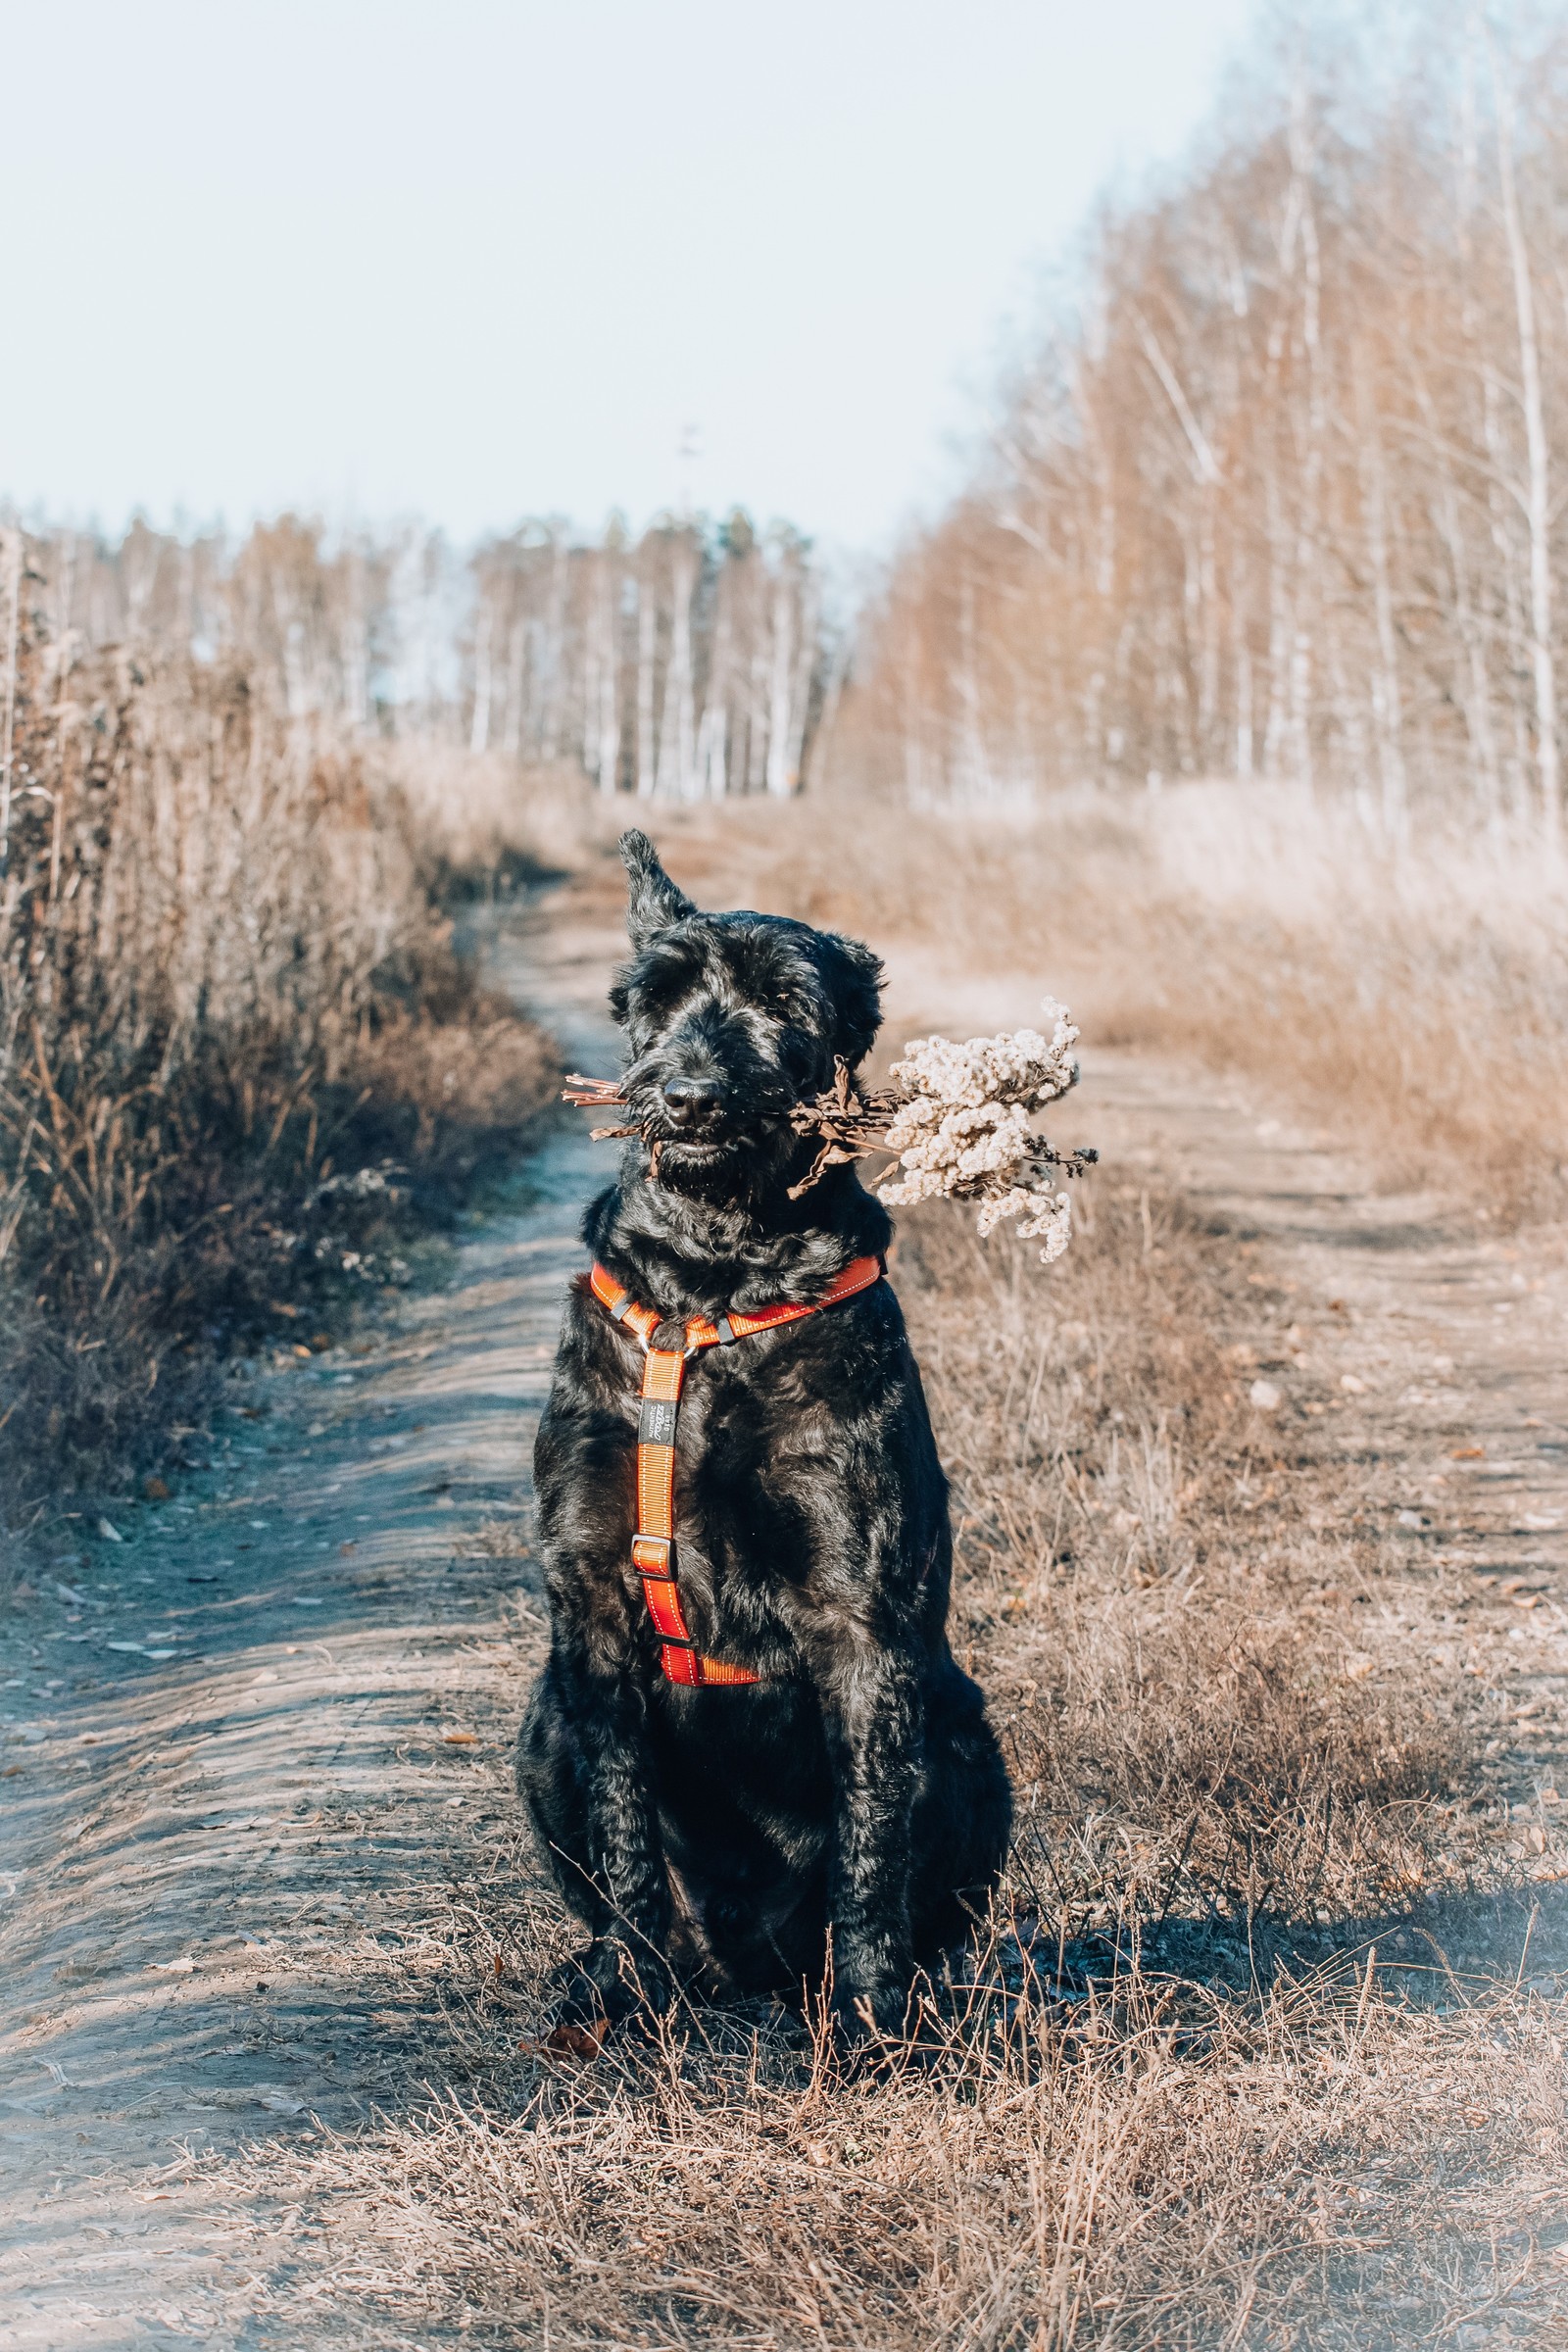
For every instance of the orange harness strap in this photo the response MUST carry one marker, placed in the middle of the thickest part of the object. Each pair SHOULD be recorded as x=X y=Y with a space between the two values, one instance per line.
x=652 y=1547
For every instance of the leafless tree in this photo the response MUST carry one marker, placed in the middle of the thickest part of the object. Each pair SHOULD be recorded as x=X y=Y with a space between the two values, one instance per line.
x=1281 y=496
x=689 y=664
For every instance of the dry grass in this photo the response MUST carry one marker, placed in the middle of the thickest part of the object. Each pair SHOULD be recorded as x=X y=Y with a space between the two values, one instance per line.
x=485 y=825
x=1264 y=2046
x=1261 y=2048
x=239 y=1062
x=1182 y=1609
x=1324 y=2170
x=1416 y=1000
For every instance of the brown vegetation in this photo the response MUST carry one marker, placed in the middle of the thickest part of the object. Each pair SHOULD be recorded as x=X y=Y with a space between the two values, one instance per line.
x=1412 y=999
x=234 y=1042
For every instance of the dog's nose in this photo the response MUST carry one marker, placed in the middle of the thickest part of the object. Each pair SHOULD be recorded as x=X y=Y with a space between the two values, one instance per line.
x=690 y=1099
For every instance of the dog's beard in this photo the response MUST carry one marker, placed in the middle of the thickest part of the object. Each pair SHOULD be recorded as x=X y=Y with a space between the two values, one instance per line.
x=696 y=1156
x=734 y=1163
x=727 y=1167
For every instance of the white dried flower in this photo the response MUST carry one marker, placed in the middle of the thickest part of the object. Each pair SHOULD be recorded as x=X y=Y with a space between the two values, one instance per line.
x=994 y=1211
x=1051 y=1222
x=962 y=1130
x=923 y=1184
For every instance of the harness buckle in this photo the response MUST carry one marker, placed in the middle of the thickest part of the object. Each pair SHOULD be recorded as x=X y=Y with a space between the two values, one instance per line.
x=664 y=1545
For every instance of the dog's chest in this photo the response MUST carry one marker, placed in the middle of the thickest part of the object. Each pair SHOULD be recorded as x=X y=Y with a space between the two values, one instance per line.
x=744 y=1477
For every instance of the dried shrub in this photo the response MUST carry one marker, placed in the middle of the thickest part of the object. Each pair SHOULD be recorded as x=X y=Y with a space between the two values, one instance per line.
x=225 y=993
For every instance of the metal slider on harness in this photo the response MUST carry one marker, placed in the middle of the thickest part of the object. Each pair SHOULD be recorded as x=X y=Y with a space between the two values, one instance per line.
x=665 y=1545
x=728 y=1333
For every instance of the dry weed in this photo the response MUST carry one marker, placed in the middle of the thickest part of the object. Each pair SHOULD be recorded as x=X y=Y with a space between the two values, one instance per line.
x=1324 y=2168
x=236 y=1051
x=484 y=824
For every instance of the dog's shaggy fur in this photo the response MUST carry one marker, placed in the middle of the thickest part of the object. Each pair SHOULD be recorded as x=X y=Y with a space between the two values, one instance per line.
x=855 y=1798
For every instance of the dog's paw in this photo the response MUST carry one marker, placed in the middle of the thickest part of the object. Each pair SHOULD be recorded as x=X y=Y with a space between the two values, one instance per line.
x=603 y=1988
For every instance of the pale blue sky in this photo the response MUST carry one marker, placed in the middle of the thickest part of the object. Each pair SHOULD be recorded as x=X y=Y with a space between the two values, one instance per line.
x=476 y=259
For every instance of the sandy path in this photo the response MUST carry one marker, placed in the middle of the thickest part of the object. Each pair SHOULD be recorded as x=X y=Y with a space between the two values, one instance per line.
x=221 y=1869
x=213 y=1843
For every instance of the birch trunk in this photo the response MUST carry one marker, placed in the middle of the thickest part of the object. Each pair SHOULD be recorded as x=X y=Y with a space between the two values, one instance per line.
x=1388 y=715
x=554 y=651
x=609 y=684
x=805 y=649
x=357 y=645
x=713 y=736
x=1538 y=499
x=1303 y=162
x=517 y=650
x=480 y=730
x=677 y=735
x=1242 y=659
x=780 y=675
x=8 y=712
x=647 y=647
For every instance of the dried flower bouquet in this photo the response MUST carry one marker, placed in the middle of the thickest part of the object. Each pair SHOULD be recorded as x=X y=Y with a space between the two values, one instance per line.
x=955 y=1120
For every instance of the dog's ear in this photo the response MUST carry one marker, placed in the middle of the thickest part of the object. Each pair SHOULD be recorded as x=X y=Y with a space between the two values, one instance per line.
x=652 y=902
x=857 y=997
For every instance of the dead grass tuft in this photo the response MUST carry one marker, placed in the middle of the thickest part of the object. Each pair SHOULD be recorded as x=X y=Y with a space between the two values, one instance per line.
x=1108 y=2157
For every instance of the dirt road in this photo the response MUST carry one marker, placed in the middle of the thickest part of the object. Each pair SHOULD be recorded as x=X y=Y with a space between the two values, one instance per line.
x=254 y=1749
x=256 y=1737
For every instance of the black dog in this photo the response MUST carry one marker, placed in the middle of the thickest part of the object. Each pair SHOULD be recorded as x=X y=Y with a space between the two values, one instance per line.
x=855 y=1794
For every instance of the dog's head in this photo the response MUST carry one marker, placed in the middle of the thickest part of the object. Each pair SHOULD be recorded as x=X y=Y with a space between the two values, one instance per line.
x=730 y=1019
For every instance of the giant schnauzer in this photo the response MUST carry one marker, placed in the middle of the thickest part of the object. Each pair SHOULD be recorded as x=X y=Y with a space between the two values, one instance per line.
x=848 y=1808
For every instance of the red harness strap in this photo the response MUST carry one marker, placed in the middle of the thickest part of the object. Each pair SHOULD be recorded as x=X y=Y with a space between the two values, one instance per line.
x=652 y=1547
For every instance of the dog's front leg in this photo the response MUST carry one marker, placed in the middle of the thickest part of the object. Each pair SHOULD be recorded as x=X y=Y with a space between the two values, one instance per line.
x=872 y=1712
x=585 y=1771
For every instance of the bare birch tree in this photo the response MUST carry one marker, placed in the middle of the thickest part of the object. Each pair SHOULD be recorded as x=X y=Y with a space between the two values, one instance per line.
x=691 y=664
x=1280 y=497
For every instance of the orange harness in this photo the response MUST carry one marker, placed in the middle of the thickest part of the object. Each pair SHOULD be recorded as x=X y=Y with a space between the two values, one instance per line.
x=652 y=1547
